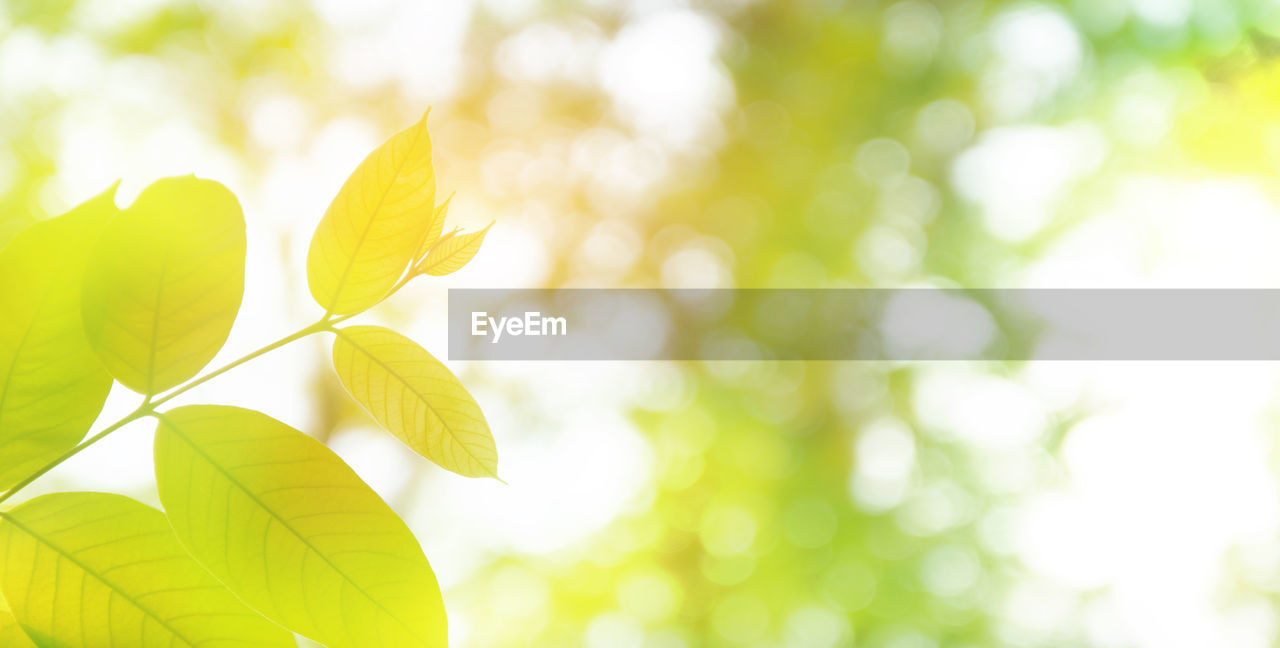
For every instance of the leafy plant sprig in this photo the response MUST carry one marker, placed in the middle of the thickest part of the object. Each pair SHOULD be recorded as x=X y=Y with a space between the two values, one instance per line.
x=265 y=531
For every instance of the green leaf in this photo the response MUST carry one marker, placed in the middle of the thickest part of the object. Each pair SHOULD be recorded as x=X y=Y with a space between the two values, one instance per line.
x=9 y=228
x=434 y=229
x=416 y=398
x=91 y=569
x=451 y=253
x=373 y=228
x=292 y=531
x=11 y=634
x=52 y=385
x=164 y=283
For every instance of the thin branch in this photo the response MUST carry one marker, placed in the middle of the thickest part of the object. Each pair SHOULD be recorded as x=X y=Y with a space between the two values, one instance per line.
x=149 y=405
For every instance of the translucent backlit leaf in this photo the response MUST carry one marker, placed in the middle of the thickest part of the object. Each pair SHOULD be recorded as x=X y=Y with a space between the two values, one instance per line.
x=288 y=527
x=434 y=230
x=372 y=229
x=416 y=398
x=451 y=253
x=164 y=283
x=51 y=382
x=11 y=634
x=9 y=228
x=85 y=570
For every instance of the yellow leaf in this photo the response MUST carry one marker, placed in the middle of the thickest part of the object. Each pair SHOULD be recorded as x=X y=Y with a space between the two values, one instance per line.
x=292 y=531
x=164 y=283
x=416 y=398
x=9 y=228
x=373 y=228
x=11 y=634
x=51 y=382
x=434 y=230
x=91 y=569
x=452 y=252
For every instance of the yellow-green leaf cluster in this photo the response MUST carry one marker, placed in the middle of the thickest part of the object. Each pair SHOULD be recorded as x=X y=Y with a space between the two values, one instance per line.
x=265 y=531
x=381 y=231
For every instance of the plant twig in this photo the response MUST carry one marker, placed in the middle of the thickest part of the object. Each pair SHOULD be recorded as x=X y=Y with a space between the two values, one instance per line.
x=149 y=405
x=136 y=414
x=321 y=325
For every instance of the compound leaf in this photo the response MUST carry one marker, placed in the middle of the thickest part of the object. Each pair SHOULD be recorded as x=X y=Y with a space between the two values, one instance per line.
x=290 y=529
x=52 y=385
x=372 y=229
x=164 y=283
x=416 y=398
x=451 y=253
x=85 y=570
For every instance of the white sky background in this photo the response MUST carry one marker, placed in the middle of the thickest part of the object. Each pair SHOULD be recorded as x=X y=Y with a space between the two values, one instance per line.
x=1169 y=483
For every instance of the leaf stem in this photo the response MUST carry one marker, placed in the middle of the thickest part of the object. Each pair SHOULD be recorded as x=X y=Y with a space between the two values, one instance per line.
x=321 y=325
x=143 y=410
x=150 y=403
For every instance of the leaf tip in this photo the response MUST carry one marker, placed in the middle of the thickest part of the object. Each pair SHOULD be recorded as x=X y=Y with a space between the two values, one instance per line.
x=480 y=233
x=441 y=212
x=109 y=194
